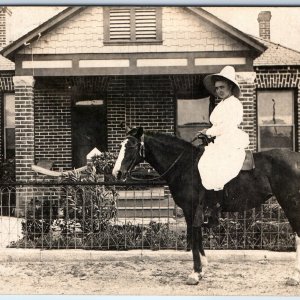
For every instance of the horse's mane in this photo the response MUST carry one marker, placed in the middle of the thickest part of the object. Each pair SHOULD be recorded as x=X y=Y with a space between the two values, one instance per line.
x=172 y=139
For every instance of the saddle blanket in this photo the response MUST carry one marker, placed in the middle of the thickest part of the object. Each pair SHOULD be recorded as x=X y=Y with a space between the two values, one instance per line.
x=248 y=162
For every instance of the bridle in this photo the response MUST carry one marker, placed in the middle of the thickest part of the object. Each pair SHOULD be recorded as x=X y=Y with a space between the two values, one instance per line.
x=140 y=146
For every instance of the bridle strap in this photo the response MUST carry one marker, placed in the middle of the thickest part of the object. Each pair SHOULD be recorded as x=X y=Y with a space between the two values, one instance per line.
x=142 y=147
x=142 y=154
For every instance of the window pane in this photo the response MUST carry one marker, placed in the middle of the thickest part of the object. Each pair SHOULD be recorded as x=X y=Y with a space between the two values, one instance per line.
x=276 y=107
x=10 y=138
x=272 y=137
x=9 y=126
x=9 y=110
x=193 y=112
x=192 y=116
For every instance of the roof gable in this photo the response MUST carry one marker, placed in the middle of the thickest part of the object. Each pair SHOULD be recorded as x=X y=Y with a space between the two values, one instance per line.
x=276 y=55
x=6 y=65
x=42 y=29
x=237 y=39
x=228 y=29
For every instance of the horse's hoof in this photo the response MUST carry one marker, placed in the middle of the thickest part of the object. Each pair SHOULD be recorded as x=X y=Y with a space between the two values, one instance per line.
x=193 y=278
x=292 y=282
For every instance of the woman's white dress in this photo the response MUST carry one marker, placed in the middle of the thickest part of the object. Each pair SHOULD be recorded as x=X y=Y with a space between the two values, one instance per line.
x=223 y=159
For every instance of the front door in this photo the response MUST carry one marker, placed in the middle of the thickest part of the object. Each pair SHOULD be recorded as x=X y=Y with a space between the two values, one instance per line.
x=88 y=131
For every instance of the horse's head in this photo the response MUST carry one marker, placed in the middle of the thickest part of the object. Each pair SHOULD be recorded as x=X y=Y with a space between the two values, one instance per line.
x=131 y=153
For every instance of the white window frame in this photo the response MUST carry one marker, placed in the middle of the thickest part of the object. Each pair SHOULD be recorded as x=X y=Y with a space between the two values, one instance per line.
x=276 y=125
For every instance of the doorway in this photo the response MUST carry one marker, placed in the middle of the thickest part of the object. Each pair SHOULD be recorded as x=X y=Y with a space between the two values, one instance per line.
x=89 y=129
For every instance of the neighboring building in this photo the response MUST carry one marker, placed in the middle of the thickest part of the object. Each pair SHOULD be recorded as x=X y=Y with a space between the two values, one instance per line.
x=83 y=73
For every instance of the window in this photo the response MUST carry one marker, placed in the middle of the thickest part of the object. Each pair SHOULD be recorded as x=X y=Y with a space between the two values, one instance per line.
x=276 y=123
x=192 y=116
x=9 y=126
x=132 y=25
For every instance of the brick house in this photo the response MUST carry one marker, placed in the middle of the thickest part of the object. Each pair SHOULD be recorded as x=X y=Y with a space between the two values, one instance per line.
x=83 y=73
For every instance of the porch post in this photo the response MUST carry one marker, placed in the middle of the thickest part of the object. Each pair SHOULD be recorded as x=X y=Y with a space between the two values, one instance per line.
x=248 y=99
x=24 y=139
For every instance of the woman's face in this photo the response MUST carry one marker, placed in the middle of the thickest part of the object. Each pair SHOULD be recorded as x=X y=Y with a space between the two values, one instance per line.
x=223 y=89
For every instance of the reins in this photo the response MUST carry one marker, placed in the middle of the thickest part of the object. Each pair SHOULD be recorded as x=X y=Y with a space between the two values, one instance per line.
x=142 y=154
x=160 y=176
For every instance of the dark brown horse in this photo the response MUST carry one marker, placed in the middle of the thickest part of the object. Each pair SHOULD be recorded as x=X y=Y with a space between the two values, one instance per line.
x=276 y=173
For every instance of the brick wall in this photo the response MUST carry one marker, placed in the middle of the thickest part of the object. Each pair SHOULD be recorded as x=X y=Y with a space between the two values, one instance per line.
x=2 y=28
x=24 y=132
x=248 y=99
x=281 y=78
x=146 y=101
x=6 y=82
x=53 y=139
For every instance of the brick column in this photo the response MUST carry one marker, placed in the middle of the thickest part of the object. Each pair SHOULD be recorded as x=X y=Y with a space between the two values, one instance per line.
x=24 y=120
x=248 y=99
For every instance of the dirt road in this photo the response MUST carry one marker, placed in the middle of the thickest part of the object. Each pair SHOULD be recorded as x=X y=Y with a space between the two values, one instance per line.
x=146 y=277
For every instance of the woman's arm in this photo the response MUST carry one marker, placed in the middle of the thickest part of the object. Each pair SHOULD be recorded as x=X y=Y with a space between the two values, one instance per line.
x=228 y=118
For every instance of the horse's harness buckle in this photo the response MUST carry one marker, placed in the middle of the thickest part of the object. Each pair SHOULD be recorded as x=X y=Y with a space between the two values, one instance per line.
x=142 y=147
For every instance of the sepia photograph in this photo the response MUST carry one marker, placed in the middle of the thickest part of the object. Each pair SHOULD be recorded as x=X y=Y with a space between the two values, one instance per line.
x=150 y=150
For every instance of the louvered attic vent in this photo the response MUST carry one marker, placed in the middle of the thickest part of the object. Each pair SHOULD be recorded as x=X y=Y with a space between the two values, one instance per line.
x=119 y=24
x=133 y=24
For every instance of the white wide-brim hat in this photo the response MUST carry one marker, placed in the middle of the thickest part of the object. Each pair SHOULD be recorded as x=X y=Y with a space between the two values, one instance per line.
x=228 y=73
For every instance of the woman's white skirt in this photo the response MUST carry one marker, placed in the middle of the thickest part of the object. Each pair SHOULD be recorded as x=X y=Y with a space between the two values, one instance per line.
x=221 y=162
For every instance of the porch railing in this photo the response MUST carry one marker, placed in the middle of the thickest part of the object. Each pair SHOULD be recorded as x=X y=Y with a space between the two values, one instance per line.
x=124 y=216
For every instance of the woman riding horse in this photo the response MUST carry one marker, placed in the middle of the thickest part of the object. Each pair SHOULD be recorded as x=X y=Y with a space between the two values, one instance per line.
x=223 y=159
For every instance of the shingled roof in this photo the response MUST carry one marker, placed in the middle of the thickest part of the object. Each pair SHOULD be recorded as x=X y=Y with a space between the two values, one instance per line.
x=271 y=54
x=276 y=55
x=6 y=64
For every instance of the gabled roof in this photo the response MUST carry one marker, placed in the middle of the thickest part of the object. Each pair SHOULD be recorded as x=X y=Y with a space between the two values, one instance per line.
x=42 y=29
x=276 y=55
x=66 y=14
x=6 y=64
x=228 y=29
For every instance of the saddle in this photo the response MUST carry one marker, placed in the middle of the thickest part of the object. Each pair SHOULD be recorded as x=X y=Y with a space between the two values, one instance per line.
x=248 y=162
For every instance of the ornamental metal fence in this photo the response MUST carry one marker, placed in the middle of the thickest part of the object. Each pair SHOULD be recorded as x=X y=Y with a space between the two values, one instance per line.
x=122 y=216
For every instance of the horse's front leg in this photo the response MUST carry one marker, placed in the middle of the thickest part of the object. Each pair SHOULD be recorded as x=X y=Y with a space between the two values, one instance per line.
x=197 y=273
x=295 y=279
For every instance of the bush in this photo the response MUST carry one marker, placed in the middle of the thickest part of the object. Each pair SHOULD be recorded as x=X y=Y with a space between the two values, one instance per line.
x=76 y=210
x=104 y=164
x=7 y=171
x=83 y=216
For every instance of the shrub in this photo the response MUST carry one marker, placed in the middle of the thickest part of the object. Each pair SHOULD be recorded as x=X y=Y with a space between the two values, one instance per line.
x=77 y=209
x=7 y=171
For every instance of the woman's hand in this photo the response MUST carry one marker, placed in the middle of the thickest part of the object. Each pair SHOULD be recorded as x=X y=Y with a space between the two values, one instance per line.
x=203 y=131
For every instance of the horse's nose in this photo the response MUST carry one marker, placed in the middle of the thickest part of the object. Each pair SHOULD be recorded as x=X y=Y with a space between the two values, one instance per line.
x=119 y=175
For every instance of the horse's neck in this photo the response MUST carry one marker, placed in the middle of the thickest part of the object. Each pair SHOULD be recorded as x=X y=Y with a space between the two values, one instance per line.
x=160 y=155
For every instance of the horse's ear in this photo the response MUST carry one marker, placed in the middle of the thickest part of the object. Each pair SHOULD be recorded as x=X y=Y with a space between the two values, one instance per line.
x=125 y=126
x=128 y=129
x=136 y=132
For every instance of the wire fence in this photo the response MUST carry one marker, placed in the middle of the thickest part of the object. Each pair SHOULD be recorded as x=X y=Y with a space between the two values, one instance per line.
x=114 y=216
